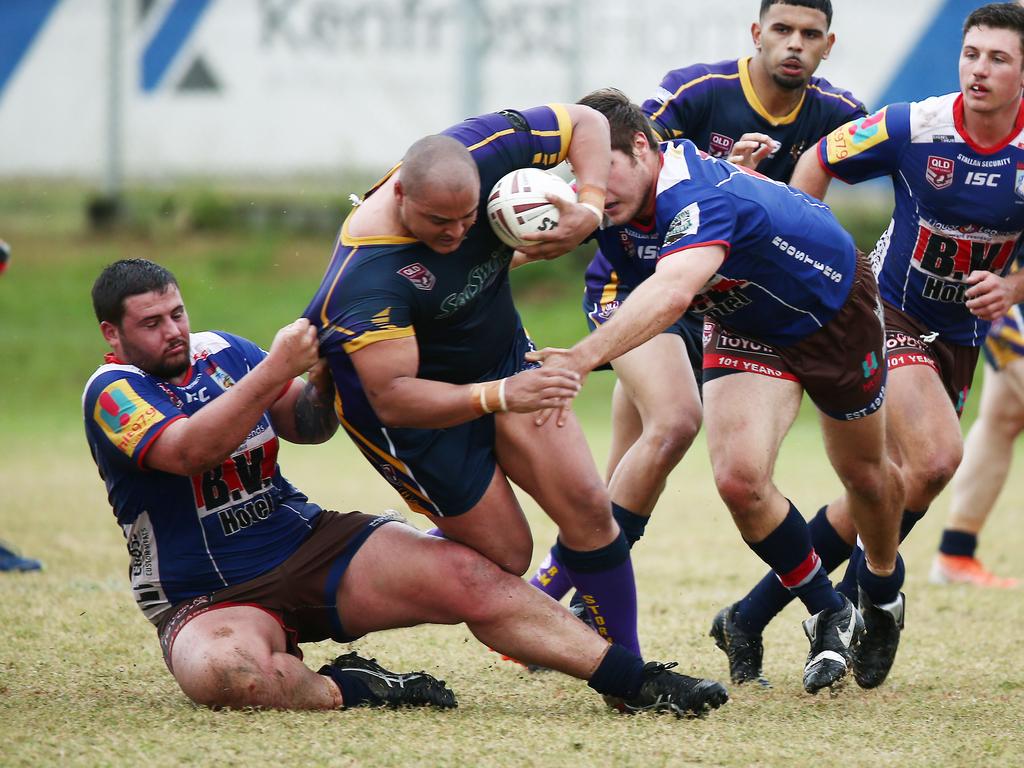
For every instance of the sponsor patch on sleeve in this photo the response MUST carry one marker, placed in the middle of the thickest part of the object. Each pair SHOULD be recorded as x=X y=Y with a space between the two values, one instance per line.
x=124 y=416
x=686 y=222
x=851 y=139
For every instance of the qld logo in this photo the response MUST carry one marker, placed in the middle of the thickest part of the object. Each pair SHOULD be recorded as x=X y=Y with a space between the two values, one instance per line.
x=939 y=171
x=719 y=145
x=419 y=276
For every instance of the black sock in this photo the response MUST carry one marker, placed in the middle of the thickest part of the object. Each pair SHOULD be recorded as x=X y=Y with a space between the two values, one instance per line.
x=353 y=690
x=620 y=673
x=958 y=543
x=631 y=523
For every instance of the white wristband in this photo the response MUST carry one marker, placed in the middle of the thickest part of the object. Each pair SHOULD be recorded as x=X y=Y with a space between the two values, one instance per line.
x=483 y=400
x=597 y=212
x=501 y=396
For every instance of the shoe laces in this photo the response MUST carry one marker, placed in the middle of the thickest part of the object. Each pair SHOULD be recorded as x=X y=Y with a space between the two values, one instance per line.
x=656 y=668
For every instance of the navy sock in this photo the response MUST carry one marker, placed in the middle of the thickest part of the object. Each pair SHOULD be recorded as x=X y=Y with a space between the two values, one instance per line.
x=632 y=524
x=620 y=673
x=353 y=690
x=958 y=543
x=769 y=597
x=881 y=589
x=788 y=551
x=848 y=586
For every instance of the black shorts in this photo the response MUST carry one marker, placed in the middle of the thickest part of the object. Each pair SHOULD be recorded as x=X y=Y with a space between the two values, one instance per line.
x=300 y=593
x=908 y=342
x=840 y=366
x=441 y=472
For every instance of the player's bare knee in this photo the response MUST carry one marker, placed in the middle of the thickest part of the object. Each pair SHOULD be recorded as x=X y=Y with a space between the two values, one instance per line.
x=229 y=678
x=932 y=476
x=744 y=493
x=479 y=595
x=671 y=438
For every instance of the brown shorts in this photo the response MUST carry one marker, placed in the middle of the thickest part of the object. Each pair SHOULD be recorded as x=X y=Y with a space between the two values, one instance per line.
x=839 y=365
x=300 y=593
x=908 y=342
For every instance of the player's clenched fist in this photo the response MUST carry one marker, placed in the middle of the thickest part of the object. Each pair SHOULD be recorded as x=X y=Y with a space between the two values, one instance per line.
x=295 y=348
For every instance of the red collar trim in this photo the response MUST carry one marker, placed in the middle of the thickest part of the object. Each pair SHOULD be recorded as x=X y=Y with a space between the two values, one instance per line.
x=958 y=121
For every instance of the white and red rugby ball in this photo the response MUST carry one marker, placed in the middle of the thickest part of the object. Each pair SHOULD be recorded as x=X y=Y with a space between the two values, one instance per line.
x=518 y=204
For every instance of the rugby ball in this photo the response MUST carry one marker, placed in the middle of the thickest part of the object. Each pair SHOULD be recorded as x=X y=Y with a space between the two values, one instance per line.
x=518 y=204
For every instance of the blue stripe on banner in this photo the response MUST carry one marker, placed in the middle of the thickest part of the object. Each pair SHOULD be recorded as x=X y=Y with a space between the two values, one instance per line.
x=168 y=40
x=20 y=22
x=930 y=69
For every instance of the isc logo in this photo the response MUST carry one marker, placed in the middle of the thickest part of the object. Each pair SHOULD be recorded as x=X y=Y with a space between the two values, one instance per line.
x=982 y=179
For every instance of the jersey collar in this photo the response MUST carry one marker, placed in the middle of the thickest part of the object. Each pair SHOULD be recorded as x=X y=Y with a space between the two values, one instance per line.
x=755 y=103
x=958 y=122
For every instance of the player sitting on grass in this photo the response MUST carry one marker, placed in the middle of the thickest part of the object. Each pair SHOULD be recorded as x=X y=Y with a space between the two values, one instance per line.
x=235 y=567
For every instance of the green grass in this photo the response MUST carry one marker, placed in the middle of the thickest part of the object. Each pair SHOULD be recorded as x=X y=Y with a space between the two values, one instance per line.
x=82 y=681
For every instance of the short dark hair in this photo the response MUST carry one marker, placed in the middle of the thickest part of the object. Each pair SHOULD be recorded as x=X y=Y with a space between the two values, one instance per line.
x=124 y=278
x=998 y=16
x=825 y=6
x=625 y=118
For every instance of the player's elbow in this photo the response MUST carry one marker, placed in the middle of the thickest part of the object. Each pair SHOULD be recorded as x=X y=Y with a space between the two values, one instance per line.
x=676 y=300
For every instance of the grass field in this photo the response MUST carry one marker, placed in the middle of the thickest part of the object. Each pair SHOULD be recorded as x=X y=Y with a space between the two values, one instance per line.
x=82 y=681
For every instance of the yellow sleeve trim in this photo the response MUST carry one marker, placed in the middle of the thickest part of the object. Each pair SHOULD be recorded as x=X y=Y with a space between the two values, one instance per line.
x=372 y=337
x=685 y=86
x=564 y=129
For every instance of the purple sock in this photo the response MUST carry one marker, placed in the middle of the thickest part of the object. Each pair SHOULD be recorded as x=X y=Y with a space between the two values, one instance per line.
x=551 y=578
x=437 y=533
x=769 y=597
x=604 y=579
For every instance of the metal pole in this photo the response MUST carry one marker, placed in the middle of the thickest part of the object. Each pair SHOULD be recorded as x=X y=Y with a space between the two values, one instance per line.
x=113 y=180
x=472 y=56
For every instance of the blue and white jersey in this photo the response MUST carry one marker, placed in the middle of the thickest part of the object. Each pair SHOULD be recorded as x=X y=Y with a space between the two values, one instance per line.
x=789 y=265
x=190 y=536
x=959 y=207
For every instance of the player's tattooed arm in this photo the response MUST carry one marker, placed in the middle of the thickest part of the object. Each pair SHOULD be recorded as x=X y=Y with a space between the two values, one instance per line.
x=305 y=413
x=315 y=419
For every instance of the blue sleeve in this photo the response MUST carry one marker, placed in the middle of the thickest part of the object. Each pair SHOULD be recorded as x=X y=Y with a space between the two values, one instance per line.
x=124 y=413
x=708 y=220
x=869 y=147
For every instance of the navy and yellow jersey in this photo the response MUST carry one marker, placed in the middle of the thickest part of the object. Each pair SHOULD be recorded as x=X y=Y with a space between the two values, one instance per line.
x=712 y=105
x=958 y=208
x=190 y=536
x=458 y=306
x=789 y=265
x=1005 y=341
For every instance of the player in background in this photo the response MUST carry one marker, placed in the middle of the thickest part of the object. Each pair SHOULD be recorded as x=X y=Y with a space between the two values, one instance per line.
x=988 y=453
x=762 y=111
x=427 y=351
x=767 y=265
x=10 y=560
x=957 y=164
x=236 y=567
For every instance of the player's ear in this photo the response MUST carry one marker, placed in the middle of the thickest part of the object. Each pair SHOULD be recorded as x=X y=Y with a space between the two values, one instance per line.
x=828 y=48
x=110 y=332
x=640 y=144
x=755 y=35
x=398 y=191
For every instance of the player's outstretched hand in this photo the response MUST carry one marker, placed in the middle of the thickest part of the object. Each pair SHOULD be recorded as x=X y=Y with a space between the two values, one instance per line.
x=562 y=359
x=751 y=149
x=575 y=223
x=295 y=349
x=990 y=296
x=541 y=388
